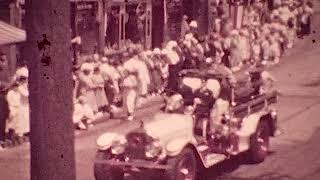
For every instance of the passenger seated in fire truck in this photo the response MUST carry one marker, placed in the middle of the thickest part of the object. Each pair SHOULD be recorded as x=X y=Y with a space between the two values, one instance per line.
x=205 y=98
x=220 y=129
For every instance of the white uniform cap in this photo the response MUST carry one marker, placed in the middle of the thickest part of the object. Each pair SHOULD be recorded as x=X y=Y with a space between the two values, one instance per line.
x=275 y=13
x=171 y=44
x=234 y=32
x=104 y=59
x=87 y=66
x=22 y=72
x=189 y=36
x=214 y=86
x=209 y=60
x=157 y=51
x=193 y=24
x=148 y=53
x=96 y=57
x=165 y=51
x=244 y=32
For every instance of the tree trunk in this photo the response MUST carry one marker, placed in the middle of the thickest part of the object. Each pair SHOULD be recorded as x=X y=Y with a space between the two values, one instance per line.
x=50 y=87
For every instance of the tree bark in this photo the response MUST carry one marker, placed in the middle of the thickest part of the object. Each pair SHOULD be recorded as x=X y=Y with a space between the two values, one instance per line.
x=50 y=86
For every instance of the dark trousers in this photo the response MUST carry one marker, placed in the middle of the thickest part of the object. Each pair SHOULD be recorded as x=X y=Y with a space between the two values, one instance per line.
x=4 y=113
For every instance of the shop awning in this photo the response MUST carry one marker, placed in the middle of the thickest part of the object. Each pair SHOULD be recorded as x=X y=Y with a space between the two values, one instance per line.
x=10 y=34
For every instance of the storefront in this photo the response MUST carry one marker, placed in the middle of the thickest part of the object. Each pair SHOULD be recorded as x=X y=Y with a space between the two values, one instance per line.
x=129 y=20
x=150 y=22
x=84 y=24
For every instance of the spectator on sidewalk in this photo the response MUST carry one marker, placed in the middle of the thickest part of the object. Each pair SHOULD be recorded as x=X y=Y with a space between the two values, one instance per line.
x=82 y=114
x=18 y=101
x=4 y=111
x=307 y=12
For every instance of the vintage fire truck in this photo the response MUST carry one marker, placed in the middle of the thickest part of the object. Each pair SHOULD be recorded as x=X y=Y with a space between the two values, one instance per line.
x=177 y=144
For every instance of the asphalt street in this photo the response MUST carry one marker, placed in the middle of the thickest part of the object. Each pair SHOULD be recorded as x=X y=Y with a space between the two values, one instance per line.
x=295 y=154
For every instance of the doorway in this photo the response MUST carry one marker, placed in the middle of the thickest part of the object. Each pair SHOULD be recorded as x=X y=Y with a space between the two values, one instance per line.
x=129 y=22
x=188 y=9
x=157 y=24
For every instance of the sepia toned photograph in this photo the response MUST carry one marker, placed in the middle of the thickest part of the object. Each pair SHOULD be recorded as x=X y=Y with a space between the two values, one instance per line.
x=159 y=89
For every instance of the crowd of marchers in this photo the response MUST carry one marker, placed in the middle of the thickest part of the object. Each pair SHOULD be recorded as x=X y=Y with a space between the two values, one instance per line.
x=134 y=74
x=121 y=80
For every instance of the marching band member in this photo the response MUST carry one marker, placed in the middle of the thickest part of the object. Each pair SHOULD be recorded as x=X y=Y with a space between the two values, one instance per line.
x=256 y=51
x=173 y=60
x=135 y=64
x=100 y=94
x=275 y=49
x=86 y=85
x=130 y=94
x=265 y=47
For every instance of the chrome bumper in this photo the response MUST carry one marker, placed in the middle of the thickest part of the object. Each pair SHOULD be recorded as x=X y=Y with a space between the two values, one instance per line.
x=136 y=164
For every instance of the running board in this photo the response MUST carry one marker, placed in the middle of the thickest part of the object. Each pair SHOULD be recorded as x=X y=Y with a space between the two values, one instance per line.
x=209 y=159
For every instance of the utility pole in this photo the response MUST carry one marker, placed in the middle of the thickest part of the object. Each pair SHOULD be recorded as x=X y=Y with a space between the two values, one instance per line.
x=48 y=55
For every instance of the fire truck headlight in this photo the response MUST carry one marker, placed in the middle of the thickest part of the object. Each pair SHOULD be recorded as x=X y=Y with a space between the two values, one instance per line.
x=153 y=150
x=118 y=145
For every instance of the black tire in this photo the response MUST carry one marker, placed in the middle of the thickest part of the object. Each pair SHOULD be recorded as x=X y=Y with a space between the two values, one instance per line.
x=104 y=172
x=185 y=160
x=259 y=144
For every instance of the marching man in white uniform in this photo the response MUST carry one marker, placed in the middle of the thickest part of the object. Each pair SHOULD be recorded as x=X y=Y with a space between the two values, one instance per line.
x=86 y=85
x=134 y=64
x=19 y=104
x=109 y=72
x=130 y=94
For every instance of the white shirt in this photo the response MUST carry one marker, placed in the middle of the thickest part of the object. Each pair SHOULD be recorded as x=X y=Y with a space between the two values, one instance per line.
x=110 y=71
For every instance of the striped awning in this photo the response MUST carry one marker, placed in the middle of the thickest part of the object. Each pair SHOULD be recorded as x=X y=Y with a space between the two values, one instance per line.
x=10 y=34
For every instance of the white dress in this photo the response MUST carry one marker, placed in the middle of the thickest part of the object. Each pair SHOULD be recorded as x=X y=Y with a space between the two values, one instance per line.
x=19 y=110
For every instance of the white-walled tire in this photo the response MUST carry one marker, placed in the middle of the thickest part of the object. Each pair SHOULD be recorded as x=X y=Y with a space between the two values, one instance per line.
x=184 y=166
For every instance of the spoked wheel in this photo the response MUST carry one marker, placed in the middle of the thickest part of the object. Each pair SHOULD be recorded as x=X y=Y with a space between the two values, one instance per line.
x=183 y=166
x=260 y=143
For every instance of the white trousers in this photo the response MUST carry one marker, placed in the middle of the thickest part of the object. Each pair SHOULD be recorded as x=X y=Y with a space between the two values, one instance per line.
x=130 y=99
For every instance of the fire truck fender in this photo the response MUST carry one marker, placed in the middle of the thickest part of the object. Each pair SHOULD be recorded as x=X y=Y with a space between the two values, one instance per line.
x=250 y=123
x=174 y=147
